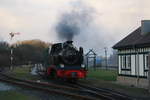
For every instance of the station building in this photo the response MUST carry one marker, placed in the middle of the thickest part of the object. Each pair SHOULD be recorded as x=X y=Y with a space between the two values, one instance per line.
x=133 y=56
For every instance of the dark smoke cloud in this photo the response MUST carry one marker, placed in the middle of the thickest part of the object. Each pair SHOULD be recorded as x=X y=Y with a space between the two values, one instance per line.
x=72 y=23
x=80 y=26
x=68 y=27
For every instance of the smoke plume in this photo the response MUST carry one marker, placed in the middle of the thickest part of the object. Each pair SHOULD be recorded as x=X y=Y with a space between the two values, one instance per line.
x=72 y=23
x=68 y=27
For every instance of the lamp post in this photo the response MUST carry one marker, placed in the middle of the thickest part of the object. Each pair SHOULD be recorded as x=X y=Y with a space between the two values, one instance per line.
x=11 y=50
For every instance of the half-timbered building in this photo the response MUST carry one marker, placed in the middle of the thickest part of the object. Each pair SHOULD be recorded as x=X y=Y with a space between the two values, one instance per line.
x=133 y=56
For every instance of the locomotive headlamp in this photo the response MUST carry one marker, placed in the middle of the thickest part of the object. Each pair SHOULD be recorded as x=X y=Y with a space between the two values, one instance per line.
x=82 y=65
x=62 y=65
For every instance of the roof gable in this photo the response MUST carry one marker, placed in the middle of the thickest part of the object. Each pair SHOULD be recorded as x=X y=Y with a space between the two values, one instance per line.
x=134 y=39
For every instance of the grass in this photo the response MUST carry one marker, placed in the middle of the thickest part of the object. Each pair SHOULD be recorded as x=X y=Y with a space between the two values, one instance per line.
x=101 y=74
x=100 y=78
x=23 y=73
x=107 y=79
x=13 y=95
x=132 y=91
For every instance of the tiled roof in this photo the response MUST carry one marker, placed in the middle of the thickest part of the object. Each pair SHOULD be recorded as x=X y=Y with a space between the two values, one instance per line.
x=135 y=39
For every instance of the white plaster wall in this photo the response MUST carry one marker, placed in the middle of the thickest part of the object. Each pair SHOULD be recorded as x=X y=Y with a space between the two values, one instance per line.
x=123 y=72
x=119 y=65
x=132 y=64
x=128 y=73
x=141 y=67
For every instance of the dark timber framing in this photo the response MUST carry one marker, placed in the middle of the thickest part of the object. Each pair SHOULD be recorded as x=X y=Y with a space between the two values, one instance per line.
x=132 y=54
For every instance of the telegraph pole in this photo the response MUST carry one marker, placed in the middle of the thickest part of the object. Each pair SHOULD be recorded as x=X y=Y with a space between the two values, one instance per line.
x=106 y=57
x=11 y=50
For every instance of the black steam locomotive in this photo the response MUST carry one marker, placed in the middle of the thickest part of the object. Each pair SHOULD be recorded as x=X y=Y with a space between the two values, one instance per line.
x=66 y=61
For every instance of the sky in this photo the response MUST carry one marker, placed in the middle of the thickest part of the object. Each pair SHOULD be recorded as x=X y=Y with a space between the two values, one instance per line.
x=103 y=22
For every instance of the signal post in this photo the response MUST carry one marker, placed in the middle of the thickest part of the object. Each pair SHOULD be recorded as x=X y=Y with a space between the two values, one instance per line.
x=12 y=34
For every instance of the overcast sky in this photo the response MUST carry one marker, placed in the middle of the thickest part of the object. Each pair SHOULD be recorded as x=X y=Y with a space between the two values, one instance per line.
x=109 y=21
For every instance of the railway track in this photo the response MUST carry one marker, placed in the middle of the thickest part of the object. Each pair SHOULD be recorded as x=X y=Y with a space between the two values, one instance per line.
x=103 y=93
x=46 y=87
x=112 y=94
x=78 y=91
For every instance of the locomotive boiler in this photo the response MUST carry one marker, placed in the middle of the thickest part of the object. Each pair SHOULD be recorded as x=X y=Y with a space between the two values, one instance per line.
x=66 y=61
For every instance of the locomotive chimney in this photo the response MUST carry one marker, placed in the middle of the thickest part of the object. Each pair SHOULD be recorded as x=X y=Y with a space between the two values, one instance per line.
x=69 y=42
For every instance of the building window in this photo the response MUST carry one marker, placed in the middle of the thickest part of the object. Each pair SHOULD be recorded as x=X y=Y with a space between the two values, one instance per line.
x=146 y=62
x=126 y=62
x=123 y=62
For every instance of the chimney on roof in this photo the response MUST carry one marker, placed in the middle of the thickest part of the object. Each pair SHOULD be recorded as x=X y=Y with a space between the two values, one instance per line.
x=145 y=27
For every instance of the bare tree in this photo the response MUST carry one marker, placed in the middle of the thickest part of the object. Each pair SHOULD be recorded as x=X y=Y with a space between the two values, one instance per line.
x=4 y=54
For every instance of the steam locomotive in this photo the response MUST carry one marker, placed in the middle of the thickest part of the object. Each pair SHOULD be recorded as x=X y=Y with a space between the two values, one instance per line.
x=66 y=61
